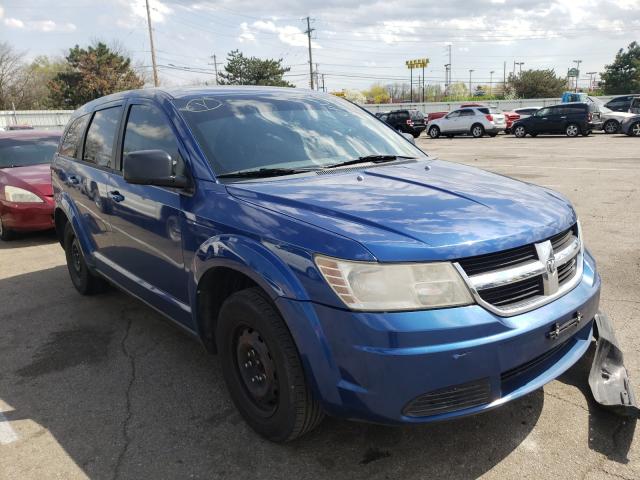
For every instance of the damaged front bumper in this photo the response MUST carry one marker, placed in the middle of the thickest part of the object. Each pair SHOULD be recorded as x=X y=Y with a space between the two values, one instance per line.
x=608 y=377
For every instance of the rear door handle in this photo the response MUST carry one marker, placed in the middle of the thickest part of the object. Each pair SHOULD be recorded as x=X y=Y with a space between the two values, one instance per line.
x=116 y=196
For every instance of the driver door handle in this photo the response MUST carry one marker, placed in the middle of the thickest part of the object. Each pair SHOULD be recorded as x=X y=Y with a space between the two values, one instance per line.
x=116 y=196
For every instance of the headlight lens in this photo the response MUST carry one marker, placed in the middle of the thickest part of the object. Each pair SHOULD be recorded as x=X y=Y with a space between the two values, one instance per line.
x=20 y=195
x=392 y=287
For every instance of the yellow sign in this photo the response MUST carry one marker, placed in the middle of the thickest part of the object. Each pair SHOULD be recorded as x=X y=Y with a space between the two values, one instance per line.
x=339 y=94
x=418 y=63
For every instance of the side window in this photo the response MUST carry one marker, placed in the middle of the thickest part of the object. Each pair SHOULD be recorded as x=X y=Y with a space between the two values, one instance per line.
x=70 y=146
x=454 y=114
x=543 y=112
x=466 y=113
x=98 y=147
x=148 y=129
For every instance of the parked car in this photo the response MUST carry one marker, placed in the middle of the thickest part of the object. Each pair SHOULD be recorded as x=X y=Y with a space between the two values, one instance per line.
x=407 y=121
x=635 y=105
x=332 y=265
x=622 y=103
x=26 y=197
x=510 y=117
x=475 y=121
x=631 y=126
x=525 y=112
x=571 y=119
x=611 y=120
x=434 y=115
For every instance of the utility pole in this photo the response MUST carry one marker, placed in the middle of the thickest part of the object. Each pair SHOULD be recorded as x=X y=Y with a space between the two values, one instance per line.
x=323 y=89
x=591 y=79
x=422 y=83
x=411 y=88
x=308 y=32
x=446 y=78
x=156 y=83
x=577 y=62
x=215 y=66
x=491 y=81
x=470 y=72
x=504 y=78
x=520 y=67
x=317 y=77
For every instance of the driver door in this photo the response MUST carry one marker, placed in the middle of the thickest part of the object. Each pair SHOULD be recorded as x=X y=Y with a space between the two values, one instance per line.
x=450 y=124
x=540 y=121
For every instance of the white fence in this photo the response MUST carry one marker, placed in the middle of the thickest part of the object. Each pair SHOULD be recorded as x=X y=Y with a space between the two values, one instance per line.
x=57 y=119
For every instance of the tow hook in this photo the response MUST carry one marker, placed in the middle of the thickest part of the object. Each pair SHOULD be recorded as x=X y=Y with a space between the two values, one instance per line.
x=608 y=377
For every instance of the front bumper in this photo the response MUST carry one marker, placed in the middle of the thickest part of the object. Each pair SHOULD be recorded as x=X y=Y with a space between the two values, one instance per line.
x=372 y=366
x=24 y=217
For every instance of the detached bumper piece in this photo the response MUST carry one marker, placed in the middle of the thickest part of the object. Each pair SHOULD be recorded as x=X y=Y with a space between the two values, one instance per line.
x=608 y=378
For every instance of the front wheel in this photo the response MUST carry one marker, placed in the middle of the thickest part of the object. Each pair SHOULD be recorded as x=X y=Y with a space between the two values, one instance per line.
x=572 y=130
x=5 y=233
x=520 y=131
x=634 y=130
x=611 y=126
x=262 y=368
x=434 y=132
x=477 y=130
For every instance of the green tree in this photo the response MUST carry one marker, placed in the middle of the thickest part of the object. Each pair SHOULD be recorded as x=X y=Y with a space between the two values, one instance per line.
x=377 y=93
x=241 y=70
x=623 y=75
x=92 y=73
x=537 y=84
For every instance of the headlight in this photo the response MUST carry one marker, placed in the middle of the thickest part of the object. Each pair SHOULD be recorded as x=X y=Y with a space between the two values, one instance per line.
x=387 y=287
x=20 y=195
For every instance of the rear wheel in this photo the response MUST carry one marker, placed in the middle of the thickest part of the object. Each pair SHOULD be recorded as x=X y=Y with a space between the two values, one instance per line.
x=520 y=131
x=85 y=281
x=611 y=126
x=634 y=130
x=5 y=233
x=262 y=368
x=572 y=130
x=434 y=132
x=477 y=130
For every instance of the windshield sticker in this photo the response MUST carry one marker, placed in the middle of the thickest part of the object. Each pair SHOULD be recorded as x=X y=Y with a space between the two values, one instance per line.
x=202 y=104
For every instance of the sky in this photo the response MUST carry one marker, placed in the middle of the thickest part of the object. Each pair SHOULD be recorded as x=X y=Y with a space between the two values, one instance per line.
x=354 y=42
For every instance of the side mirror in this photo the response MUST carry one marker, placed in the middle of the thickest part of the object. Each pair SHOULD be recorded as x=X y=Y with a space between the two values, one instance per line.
x=409 y=137
x=152 y=167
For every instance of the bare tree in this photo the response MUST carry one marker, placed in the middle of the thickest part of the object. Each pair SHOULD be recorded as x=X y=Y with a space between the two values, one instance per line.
x=11 y=83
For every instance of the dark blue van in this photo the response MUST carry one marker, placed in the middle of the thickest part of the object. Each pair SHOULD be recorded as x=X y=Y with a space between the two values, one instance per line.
x=332 y=265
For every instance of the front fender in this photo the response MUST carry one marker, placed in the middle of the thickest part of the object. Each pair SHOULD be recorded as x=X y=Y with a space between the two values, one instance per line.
x=68 y=207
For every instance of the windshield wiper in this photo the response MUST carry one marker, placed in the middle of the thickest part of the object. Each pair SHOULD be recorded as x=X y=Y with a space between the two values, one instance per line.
x=264 y=172
x=369 y=159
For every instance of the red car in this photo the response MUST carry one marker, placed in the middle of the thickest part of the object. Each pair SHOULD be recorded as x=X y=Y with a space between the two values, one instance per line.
x=510 y=117
x=26 y=196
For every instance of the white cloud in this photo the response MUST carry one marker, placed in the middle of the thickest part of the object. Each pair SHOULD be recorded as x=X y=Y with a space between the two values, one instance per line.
x=137 y=10
x=245 y=34
x=287 y=34
x=39 y=25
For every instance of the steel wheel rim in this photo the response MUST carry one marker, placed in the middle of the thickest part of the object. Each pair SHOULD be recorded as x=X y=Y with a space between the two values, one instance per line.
x=76 y=257
x=635 y=129
x=572 y=130
x=256 y=369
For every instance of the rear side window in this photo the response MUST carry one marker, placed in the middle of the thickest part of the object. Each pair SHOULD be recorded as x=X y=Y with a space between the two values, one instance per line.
x=70 y=146
x=466 y=112
x=484 y=110
x=416 y=115
x=148 y=129
x=98 y=147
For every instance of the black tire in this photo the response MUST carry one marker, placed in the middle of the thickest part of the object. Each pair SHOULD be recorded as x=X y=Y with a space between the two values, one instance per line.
x=520 y=131
x=634 y=130
x=477 y=130
x=85 y=281
x=572 y=130
x=250 y=328
x=415 y=135
x=586 y=133
x=5 y=233
x=611 y=126
x=434 y=131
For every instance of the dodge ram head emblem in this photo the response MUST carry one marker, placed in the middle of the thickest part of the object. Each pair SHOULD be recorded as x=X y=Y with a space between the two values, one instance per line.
x=551 y=265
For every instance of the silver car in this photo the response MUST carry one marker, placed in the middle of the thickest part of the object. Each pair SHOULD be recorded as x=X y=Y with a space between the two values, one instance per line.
x=611 y=120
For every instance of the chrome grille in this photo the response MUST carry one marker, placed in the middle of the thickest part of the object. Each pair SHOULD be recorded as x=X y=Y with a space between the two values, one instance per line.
x=521 y=279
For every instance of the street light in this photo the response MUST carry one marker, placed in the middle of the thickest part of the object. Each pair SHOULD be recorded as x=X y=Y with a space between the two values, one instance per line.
x=520 y=69
x=591 y=79
x=491 y=81
x=470 y=72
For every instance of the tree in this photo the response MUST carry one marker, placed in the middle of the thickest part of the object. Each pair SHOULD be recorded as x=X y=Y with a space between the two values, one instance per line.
x=458 y=91
x=537 y=84
x=10 y=72
x=92 y=73
x=377 y=94
x=623 y=75
x=241 y=70
x=354 y=96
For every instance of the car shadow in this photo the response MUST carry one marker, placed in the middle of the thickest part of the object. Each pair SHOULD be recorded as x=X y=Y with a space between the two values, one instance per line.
x=29 y=239
x=127 y=395
x=609 y=434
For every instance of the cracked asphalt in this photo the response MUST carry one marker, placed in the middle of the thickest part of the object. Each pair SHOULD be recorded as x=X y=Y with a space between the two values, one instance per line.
x=101 y=387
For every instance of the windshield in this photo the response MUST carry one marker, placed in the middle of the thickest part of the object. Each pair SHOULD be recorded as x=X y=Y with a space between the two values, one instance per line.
x=267 y=130
x=20 y=152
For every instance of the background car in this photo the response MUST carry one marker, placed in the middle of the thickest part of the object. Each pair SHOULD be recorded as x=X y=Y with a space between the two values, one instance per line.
x=510 y=117
x=622 y=103
x=631 y=126
x=572 y=119
x=611 y=120
x=407 y=121
x=475 y=121
x=26 y=196
x=526 y=111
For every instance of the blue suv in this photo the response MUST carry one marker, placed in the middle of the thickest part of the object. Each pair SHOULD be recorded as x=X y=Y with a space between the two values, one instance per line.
x=333 y=266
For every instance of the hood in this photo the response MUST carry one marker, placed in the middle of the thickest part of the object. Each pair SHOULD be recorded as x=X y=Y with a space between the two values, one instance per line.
x=35 y=177
x=418 y=211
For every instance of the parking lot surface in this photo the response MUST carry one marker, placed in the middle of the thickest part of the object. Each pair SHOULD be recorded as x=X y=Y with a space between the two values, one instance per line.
x=101 y=387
